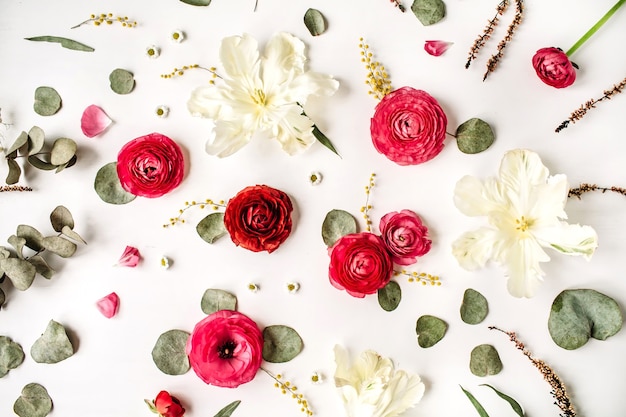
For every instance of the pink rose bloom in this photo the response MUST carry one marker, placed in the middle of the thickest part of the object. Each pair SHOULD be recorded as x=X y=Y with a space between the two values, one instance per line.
x=554 y=67
x=405 y=236
x=150 y=165
x=408 y=126
x=359 y=264
x=225 y=349
x=167 y=405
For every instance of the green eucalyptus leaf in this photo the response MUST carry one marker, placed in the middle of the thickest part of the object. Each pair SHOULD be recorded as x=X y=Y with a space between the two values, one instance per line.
x=211 y=227
x=53 y=346
x=215 y=300
x=59 y=246
x=34 y=402
x=429 y=11
x=3 y=297
x=228 y=410
x=337 y=223
x=67 y=232
x=62 y=151
x=577 y=315
x=39 y=164
x=47 y=101
x=474 y=136
x=197 y=2
x=68 y=164
x=514 y=404
x=108 y=187
x=314 y=22
x=474 y=308
x=389 y=296
x=18 y=243
x=20 y=272
x=41 y=266
x=122 y=81
x=34 y=239
x=11 y=355
x=169 y=354
x=281 y=344
x=479 y=408
x=61 y=217
x=21 y=140
x=430 y=330
x=65 y=42
x=14 y=172
x=484 y=360
x=36 y=140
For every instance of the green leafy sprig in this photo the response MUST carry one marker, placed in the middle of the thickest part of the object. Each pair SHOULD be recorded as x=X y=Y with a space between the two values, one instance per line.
x=481 y=410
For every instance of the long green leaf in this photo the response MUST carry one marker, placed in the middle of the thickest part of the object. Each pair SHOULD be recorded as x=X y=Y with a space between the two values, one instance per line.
x=65 y=42
x=228 y=410
x=481 y=410
x=324 y=140
x=514 y=404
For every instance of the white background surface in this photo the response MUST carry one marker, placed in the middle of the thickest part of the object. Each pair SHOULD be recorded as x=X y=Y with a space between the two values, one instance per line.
x=112 y=370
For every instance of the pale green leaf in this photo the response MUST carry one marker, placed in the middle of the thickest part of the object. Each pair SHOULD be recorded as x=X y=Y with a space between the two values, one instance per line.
x=53 y=346
x=215 y=300
x=479 y=408
x=323 y=139
x=484 y=361
x=122 y=81
x=68 y=164
x=314 y=22
x=169 y=354
x=197 y=2
x=108 y=187
x=281 y=344
x=211 y=227
x=59 y=246
x=39 y=164
x=61 y=217
x=389 y=296
x=17 y=243
x=67 y=232
x=36 y=140
x=228 y=410
x=47 y=101
x=62 y=151
x=474 y=136
x=3 y=297
x=429 y=11
x=14 y=172
x=21 y=140
x=337 y=223
x=41 y=266
x=577 y=315
x=430 y=330
x=474 y=307
x=20 y=272
x=34 y=239
x=514 y=404
x=34 y=402
x=65 y=42
x=11 y=355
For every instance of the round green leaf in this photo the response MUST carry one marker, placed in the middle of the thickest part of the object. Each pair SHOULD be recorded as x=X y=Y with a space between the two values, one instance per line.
x=389 y=296
x=337 y=223
x=14 y=172
x=429 y=11
x=59 y=246
x=122 y=81
x=21 y=140
x=108 y=187
x=11 y=355
x=197 y=2
x=169 y=354
x=61 y=217
x=40 y=164
x=3 y=297
x=18 y=243
x=62 y=151
x=20 y=272
x=41 y=266
x=474 y=307
x=281 y=344
x=430 y=330
x=211 y=227
x=36 y=140
x=47 y=101
x=315 y=22
x=484 y=360
x=577 y=315
x=53 y=346
x=33 y=237
x=474 y=136
x=34 y=402
x=215 y=300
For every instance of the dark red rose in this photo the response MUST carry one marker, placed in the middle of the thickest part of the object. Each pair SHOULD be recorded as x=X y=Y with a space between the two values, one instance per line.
x=258 y=218
x=168 y=406
x=554 y=67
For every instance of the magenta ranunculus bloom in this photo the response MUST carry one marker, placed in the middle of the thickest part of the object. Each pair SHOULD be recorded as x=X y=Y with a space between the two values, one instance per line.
x=554 y=67
x=408 y=126
x=225 y=349
x=359 y=264
x=150 y=166
x=405 y=236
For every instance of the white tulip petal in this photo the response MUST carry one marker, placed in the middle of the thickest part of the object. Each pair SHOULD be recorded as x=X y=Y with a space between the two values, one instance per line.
x=569 y=239
x=522 y=264
x=477 y=198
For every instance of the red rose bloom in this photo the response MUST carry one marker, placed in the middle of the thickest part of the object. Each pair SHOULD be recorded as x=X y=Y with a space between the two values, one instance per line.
x=359 y=264
x=168 y=406
x=258 y=218
x=150 y=165
x=554 y=67
x=408 y=126
x=405 y=236
x=225 y=349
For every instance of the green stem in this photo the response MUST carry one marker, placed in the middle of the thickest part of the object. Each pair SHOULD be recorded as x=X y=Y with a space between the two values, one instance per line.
x=595 y=28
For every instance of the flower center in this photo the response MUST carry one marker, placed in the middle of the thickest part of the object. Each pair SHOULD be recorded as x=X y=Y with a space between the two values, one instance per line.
x=259 y=97
x=227 y=350
x=523 y=224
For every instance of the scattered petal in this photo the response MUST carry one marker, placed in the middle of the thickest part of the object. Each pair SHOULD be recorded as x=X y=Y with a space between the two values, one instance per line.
x=153 y=51
x=315 y=178
x=292 y=287
x=130 y=257
x=252 y=287
x=108 y=305
x=165 y=262
x=317 y=378
x=94 y=121
x=177 y=36
x=436 y=48
x=162 y=111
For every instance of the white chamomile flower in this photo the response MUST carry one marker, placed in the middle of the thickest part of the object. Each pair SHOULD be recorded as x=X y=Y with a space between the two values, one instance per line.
x=165 y=262
x=252 y=287
x=162 y=111
x=292 y=287
x=153 y=51
x=315 y=178
x=177 y=36
x=317 y=378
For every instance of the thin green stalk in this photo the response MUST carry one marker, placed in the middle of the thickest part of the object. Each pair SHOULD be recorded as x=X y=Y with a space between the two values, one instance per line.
x=595 y=28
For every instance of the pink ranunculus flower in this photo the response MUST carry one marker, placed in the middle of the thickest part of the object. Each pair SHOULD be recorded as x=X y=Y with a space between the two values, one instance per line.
x=225 y=349
x=359 y=264
x=436 y=48
x=405 y=236
x=554 y=67
x=408 y=126
x=150 y=165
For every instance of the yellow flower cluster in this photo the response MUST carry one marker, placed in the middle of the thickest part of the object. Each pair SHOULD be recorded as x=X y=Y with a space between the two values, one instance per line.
x=422 y=277
x=286 y=387
x=181 y=71
x=214 y=205
x=377 y=78
x=367 y=207
x=107 y=19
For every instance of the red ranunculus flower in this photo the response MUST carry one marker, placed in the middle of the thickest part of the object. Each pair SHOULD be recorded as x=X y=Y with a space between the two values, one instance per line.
x=168 y=406
x=225 y=349
x=405 y=236
x=258 y=218
x=408 y=126
x=359 y=264
x=554 y=67
x=150 y=166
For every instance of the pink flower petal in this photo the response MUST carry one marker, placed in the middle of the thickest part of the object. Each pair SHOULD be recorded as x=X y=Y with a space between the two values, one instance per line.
x=436 y=48
x=94 y=121
x=108 y=305
x=130 y=257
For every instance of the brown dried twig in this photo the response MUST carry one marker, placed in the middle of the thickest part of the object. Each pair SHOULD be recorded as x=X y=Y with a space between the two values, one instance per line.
x=480 y=41
x=7 y=188
x=398 y=5
x=585 y=188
